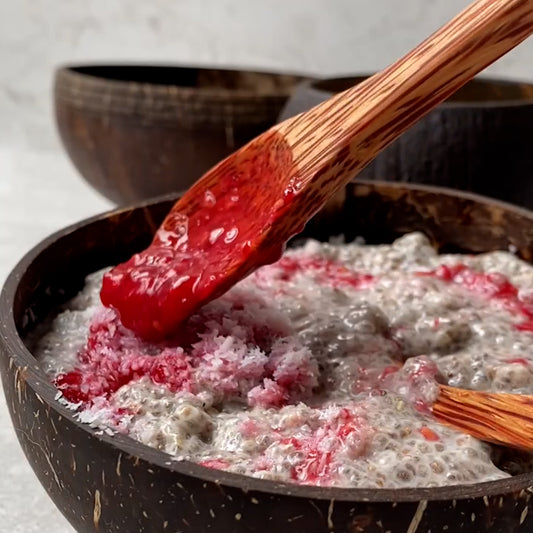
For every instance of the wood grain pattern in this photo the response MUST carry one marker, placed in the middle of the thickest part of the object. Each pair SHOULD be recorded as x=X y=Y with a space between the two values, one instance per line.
x=337 y=138
x=494 y=417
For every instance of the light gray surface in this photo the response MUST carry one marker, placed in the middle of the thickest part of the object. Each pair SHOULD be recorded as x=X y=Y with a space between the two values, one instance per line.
x=39 y=193
x=317 y=36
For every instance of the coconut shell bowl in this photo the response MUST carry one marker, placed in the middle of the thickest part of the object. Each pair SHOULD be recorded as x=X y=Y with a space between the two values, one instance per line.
x=138 y=131
x=114 y=484
x=481 y=134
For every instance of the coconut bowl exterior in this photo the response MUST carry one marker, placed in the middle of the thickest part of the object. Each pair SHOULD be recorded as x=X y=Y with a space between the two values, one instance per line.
x=478 y=140
x=139 y=131
x=113 y=484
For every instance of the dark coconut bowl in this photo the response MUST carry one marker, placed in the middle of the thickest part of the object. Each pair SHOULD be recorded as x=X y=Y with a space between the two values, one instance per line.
x=114 y=484
x=138 y=131
x=479 y=140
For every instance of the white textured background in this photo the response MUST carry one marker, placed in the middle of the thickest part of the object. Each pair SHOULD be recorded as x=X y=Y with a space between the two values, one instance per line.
x=315 y=36
x=39 y=191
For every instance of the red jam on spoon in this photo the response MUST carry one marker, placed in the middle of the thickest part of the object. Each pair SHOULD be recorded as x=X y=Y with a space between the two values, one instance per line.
x=215 y=235
x=238 y=216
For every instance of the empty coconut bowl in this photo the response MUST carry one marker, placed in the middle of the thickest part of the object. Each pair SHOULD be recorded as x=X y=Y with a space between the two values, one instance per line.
x=478 y=140
x=135 y=132
x=114 y=484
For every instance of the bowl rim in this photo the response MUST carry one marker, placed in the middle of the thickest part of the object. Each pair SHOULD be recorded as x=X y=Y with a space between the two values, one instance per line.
x=312 y=84
x=30 y=370
x=86 y=83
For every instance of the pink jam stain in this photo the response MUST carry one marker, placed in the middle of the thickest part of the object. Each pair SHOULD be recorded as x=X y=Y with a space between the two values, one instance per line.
x=273 y=375
x=319 y=454
x=113 y=357
x=217 y=464
x=493 y=286
x=214 y=236
x=518 y=361
x=326 y=271
x=419 y=379
x=347 y=433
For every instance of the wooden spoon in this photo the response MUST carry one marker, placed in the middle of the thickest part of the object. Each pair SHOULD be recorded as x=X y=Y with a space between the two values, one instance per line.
x=500 y=418
x=239 y=215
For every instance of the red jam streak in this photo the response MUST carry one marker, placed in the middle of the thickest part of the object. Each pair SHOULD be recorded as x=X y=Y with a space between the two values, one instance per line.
x=316 y=456
x=215 y=235
x=277 y=372
x=112 y=358
x=429 y=434
x=216 y=464
x=493 y=286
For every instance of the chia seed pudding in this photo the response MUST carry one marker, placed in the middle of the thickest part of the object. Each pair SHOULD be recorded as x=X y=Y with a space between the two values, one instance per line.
x=319 y=369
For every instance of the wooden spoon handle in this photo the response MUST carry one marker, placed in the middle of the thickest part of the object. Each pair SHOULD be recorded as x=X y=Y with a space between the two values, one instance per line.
x=336 y=139
x=502 y=418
